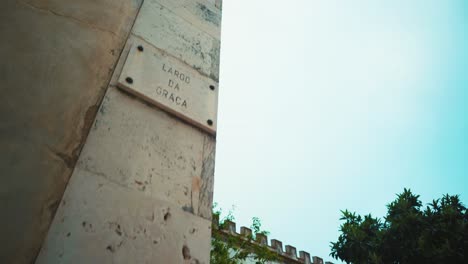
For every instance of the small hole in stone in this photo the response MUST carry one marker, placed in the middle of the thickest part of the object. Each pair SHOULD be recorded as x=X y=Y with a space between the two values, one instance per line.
x=209 y=122
x=212 y=87
x=129 y=80
x=186 y=252
x=110 y=248
x=167 y=216
x=140 y=48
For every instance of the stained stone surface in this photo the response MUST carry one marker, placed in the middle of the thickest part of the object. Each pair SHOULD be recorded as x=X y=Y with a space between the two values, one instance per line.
x=182 y=38
x=102 y=222
x=145 y=150
x=57 y=58
x=206 y=15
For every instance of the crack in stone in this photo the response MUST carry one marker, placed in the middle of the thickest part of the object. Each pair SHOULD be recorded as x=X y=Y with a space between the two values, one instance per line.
x=66 y=159
x=102 y=175
x=79 y=21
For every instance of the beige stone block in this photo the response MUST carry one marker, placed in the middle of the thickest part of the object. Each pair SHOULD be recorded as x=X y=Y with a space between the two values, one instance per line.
x=180 y=38
x=164 y=81
x=99 y=221
x=140 y=147
x=201 y=13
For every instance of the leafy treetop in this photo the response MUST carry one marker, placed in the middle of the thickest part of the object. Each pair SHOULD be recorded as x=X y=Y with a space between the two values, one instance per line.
x=409 y=233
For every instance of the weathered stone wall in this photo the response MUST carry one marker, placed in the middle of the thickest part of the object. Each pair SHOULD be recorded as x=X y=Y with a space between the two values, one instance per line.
x=57 y=57
x=141 y=191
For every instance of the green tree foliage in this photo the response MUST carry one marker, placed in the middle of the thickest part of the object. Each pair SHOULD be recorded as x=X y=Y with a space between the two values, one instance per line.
x=230 y=249
x=409 y=233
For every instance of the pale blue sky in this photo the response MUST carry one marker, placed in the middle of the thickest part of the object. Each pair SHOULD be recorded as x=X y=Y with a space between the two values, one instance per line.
x=328 y=105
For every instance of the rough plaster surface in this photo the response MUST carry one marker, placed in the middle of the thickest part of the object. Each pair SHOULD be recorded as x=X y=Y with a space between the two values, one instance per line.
x=57 y=58
x=102 y=222
x=110 y=16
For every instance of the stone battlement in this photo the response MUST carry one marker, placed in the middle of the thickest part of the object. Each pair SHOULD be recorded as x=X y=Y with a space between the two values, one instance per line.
x=287 y=255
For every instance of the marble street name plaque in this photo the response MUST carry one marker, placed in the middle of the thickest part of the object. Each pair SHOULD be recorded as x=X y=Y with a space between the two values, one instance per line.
x=171 y=85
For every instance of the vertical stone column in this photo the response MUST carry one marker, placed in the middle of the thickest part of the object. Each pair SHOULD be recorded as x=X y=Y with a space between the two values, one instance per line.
x=142 y=189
